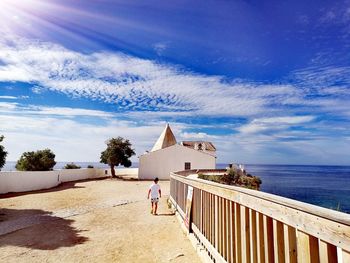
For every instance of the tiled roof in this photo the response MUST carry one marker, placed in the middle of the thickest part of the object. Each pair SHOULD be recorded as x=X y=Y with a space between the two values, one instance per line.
x=208 y=146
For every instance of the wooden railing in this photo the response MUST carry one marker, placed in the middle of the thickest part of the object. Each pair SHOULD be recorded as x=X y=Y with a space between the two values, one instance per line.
x=235 y=224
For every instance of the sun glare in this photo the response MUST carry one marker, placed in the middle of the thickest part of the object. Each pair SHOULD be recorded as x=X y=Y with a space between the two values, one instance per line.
x=14 y=14
x=11 y=8
x=29 y=17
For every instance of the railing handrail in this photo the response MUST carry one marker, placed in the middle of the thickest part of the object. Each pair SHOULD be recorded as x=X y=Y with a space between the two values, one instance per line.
x=325 y=213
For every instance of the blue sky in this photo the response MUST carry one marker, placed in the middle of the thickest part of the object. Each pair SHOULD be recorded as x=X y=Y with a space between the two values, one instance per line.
x=266 y=81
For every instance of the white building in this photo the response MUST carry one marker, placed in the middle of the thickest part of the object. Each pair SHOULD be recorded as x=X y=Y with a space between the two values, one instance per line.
x=167 y=156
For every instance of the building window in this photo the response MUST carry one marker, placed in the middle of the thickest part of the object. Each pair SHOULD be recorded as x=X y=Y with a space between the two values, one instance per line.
x=187 y=166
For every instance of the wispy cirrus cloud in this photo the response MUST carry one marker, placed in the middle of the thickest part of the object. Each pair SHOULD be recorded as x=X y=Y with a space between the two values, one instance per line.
x=16 y=108
x=323 y=76
x=132 y=83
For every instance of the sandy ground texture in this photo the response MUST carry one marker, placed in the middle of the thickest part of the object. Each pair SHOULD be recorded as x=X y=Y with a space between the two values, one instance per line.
x=91 y=221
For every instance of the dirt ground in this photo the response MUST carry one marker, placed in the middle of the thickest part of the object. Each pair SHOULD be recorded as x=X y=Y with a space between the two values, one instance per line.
x=91 y=221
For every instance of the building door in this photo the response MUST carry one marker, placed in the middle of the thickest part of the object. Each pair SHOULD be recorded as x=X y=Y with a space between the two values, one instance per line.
x=187 y=166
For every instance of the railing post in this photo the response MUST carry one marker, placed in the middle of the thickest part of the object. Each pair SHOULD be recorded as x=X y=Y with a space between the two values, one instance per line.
x=201 y=213
x=216 y=222
x=245 y=234
x=176 y=194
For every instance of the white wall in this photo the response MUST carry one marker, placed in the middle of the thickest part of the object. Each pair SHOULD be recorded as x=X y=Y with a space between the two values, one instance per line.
x=118 y=171
x=27 y=181
x=160 y=163
x=30 y=181
x=14 y=182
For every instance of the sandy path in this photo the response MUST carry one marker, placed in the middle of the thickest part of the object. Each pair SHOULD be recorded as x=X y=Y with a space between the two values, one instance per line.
x=91 y=221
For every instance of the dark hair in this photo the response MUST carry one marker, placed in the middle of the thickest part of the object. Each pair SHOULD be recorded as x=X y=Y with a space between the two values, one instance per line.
x=156 y=179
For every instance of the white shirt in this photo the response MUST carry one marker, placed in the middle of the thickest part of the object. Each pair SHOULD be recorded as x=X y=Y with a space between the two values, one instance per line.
x=154 y=190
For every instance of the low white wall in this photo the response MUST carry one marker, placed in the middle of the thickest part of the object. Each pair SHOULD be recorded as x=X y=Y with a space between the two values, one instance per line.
x=27 y=181
x=14 y=182
x=126 y=171
x=68 y=175
x=30 y=181
x=118 y=171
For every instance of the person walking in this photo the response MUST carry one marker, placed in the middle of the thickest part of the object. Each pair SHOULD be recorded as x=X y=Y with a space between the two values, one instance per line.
x=155 y=193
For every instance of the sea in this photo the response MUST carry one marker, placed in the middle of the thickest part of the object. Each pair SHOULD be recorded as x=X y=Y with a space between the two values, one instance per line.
x=322 y=185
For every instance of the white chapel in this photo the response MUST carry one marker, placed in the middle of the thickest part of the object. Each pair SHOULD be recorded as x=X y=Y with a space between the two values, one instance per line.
x=168 y=156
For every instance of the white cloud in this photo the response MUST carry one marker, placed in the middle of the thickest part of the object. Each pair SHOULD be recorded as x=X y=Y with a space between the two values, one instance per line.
x=8 y=97
x=71 y=140
x=37 y=90
x=283 y=147
x=275 y=123
x=65 y=111
x=29 y=127
x=160 y=48
x=133 y=83
x=15 y=108
x=196 y=136
x=287 y=120
x=5 y=106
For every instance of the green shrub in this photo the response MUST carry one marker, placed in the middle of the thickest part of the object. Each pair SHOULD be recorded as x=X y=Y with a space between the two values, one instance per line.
x=234 y=176
x=41 y=160
x=90 y=166
x=71 y=166
x=3 y=153
x=211 y=177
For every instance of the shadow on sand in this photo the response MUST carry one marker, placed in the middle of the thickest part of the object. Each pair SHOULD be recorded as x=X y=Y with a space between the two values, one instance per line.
x=37 y=229
x=125 y=178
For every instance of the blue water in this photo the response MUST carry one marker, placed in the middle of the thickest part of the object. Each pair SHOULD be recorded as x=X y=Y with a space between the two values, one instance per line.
x=326 y=186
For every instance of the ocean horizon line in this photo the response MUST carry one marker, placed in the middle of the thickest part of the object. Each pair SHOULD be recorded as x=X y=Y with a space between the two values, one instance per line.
x=219 y=163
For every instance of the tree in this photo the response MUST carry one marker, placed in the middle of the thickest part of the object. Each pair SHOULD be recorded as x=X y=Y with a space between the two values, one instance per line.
x=117 y=153
x=41 y=160
x=3 y=153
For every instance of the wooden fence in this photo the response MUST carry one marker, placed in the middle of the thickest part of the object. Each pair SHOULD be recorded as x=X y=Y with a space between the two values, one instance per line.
x=235 y=224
